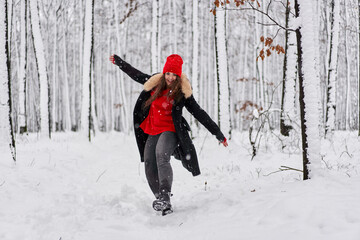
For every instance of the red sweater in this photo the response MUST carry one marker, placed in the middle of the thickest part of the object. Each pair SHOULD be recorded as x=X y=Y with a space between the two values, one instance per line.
x=159 y=119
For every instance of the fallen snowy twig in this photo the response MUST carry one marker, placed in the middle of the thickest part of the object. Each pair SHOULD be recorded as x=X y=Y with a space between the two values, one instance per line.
x=284 y=168
x=101 y=175
x=350 y=155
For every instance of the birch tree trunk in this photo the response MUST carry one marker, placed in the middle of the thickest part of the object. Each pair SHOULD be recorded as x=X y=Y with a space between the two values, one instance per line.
x=174 y=27
x=308 y=84
x=121 y=90
x=23 y=65
x=222 y=72
x=154 y=37
x=332 y=69
x=285 y=129
x=55 y=89
x=359 y=68
x=6 y=128
x=290 y=81
x=159 y=37
x=348 y=71
x=209 y=71
x=42 y=71
x=86 y=111
x=195 y=58
x=187 y=40
x=66 y=98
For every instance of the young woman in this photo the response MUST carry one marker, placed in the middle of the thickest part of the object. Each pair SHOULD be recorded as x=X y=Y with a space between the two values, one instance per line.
x=160 y=129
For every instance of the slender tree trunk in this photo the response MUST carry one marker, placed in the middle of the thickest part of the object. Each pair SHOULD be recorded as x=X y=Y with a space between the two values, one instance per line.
x=202 y=58
x=290 y=81
x=42 y=71
x=74 y=78
x=285 y=129
x=209 y=93
x=159 y=37
x=154 y=36
x=6 y=124
x=65 y=95
x=187 y=39
x=9 y=12
x=86 y=113
x=93 y=119
x=348 y=71
x=174 y=27
x=121 y=84
x=54 y=117
x=359 y=68
x=261 y=69
x=195 y=29
x=246 y=75
x=308 y=89
x=332 y=69
x=22 y=126
x=110 y=87
x=79 y=89
x=222 y=72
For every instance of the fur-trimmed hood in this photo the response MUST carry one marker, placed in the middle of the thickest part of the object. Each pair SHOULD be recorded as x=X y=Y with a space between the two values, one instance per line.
x=155 y=79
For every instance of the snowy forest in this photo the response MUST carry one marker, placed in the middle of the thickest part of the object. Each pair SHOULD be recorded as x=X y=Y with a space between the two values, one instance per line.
x=280 y=78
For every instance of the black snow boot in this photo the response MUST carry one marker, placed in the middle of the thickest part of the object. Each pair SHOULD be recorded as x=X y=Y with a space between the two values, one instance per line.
x=163 y=203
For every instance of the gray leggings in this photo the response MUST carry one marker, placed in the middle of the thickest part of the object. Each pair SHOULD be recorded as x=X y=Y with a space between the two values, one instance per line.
x=157 y=153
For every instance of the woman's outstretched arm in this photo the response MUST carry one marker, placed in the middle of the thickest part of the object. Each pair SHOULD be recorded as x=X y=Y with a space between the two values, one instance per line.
x=132 y=72
x=193 y=107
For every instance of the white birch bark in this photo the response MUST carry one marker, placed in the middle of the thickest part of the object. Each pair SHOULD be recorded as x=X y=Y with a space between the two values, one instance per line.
x=5 y=110
x=289 y=100
x=94 y=118
x=255 y=51
x=74 y=77
x=4 y=88
x=222 y=69
x=290 y=93
x=202 y=71
x=332 y=69
x=154 y=36
x=174 y=27
x=42 y=71
x=261 y=66
x=86 y=77
x=110 y=88
x=310 y=86
x=211 y=103
x=187 y=39
x=66 y=99
x=23 y=64
x=78 y=89
x=348 y=71
x=358 y=58
x=121 y=89
x=159 y=37
x=194 y=79
x=9 y=19
x=54 y=72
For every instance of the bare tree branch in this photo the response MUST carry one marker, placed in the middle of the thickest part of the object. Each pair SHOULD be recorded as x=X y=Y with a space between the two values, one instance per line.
x=284 y=168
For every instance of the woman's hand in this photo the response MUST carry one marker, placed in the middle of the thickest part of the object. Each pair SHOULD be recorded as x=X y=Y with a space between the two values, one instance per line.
x=224 y=142
x=112 y=59
x=115 y=59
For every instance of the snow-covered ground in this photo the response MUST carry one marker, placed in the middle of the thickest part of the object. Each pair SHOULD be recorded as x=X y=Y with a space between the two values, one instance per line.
x=68 y=188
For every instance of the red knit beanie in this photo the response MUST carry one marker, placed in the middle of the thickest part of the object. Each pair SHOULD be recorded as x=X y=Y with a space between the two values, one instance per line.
x=173 y=64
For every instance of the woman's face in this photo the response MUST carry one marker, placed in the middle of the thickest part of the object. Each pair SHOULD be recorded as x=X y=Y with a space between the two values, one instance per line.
x=170 y=78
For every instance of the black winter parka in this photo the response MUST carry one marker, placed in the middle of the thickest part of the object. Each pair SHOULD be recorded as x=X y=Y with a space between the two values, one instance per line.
x=186 y=150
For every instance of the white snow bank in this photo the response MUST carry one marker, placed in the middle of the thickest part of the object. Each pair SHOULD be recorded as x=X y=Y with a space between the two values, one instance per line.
x=68 y=188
